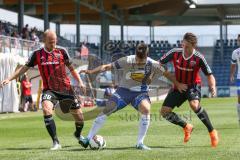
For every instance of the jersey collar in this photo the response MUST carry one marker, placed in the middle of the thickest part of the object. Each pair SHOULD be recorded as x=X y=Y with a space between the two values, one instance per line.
x=189 y=56
x=47 y=50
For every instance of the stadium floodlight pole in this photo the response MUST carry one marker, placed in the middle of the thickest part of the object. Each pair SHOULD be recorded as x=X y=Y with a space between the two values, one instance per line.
x=78 y=23
x=122 y=25
x=46 y=18
x=20 y=15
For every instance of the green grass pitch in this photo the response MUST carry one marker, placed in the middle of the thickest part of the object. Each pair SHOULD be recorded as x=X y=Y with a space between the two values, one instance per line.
x=23 y=136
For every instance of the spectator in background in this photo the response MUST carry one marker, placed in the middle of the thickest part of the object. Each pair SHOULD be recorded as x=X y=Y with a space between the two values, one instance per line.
x=15 y=37
x=26 y=94
x=34 y=37
x=2 y=31
x=7 y=29
x=25 y=32
x=84 y=51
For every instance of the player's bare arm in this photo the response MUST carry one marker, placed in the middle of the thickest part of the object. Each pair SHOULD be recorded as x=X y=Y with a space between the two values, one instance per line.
x=102 y=68
x=180 y=86
x=232 y=71
x=77 y=78
x=212 y=84
x=15 y=75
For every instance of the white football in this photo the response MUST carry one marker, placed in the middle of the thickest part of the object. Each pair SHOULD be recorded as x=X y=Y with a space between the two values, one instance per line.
x=97 y=142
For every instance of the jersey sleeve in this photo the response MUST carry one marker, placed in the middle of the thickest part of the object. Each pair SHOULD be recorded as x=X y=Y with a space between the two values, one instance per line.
x=204 y=66
x=120 y=63
x=32 y=60
x=158 y=68
x=234 y=57
x=67 y=58
x=167 y=57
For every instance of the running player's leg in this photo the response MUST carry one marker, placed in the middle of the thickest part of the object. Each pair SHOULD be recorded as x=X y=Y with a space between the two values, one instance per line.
x=194 y=95
x=116 y=102
x=76 y=111
x=79 y=121
x=47 y=105
x=143 y=104
x=238 y=104
x=173 y=99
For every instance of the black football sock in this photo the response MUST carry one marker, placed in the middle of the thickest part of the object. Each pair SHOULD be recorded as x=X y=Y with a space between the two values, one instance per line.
x=51 y=127
x=175 y=119
x=203 y=116
x=79 y=127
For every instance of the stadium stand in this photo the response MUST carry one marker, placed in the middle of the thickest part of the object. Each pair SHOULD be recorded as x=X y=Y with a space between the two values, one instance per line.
x=221 y=64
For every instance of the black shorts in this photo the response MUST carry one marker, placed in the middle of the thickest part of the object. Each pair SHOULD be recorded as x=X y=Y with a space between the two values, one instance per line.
x=54 y=97
x=175 y=98
x=27 y=99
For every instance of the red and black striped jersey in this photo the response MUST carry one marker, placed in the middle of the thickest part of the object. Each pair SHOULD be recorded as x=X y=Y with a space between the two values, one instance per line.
x=187 y=69
x=52 y=68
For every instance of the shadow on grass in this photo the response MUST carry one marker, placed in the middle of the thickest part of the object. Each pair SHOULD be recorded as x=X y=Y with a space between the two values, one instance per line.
x=88 y=149
x=25 y=149
x=28 y=148
x=179 y=146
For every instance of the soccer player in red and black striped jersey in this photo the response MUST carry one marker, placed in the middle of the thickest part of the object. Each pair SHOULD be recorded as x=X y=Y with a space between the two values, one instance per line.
x=187 y=62
x=52 y=63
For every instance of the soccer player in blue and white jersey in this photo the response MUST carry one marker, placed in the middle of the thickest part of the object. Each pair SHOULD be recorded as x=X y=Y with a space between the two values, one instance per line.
x=236 y=62
x=138 y=71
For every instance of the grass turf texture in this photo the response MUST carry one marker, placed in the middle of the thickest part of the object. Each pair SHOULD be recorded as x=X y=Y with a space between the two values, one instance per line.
x=23 y=136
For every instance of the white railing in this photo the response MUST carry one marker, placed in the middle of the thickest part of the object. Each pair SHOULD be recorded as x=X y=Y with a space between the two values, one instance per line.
x=17 y=46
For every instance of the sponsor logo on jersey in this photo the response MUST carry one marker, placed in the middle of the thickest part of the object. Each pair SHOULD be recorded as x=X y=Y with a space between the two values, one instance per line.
x=192 y=63
x=48 y=63
x=137 y=76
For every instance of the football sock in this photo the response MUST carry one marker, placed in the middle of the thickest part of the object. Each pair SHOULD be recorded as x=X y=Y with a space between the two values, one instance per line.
x=175 y=119
x=79 y=127
x=97 y=124
x=238 y=111
x=203 y=116
x=143 y=127
x=51 y=127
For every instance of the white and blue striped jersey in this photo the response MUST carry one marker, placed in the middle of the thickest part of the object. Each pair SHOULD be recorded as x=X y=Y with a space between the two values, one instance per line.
x=236 y=60
x=134 y=76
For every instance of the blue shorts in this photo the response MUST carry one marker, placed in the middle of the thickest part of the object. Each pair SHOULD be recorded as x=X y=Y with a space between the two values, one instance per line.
x=238 y=86
x=122 y=97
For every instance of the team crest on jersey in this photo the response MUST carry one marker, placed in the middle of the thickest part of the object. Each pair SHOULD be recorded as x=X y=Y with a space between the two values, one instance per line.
x=192 y=63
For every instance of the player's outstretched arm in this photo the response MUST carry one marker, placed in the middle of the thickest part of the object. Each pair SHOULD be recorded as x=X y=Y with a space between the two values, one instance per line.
x=77 y=78
x=16 y=74
x=102 y=68
x=180 y=86
x=232 y=71
x=212 y=84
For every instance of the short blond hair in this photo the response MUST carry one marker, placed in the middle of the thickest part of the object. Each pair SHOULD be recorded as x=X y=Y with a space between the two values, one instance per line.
x=191 y=38
x=48 y=31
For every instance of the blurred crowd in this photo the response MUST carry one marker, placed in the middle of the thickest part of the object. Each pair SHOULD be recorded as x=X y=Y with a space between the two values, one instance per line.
x=28 y=34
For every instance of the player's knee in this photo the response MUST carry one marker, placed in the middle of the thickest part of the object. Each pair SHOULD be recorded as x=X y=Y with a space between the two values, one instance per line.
x=194 y=105
x=145 y=110
x=110 y=108
x=47 y=107
x=164 y=111
x=77 y=115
